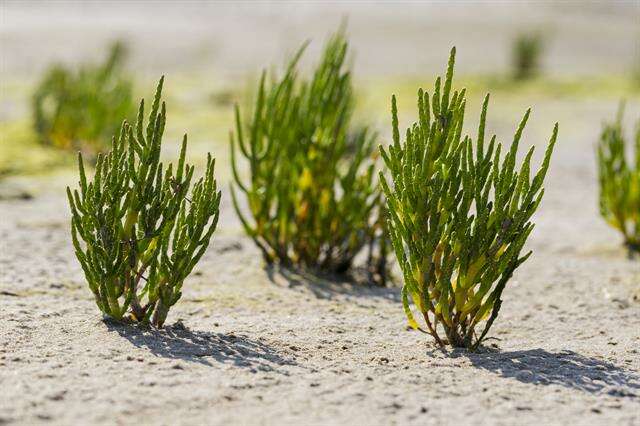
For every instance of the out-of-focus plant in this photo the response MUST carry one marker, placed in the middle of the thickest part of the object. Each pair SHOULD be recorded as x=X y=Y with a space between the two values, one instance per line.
x=635 y=73
x=459 y=214
x=82 y=109
x=635 y=68
x=526 y=52
x=619 y=180
x=312 y=192
x=142 y=232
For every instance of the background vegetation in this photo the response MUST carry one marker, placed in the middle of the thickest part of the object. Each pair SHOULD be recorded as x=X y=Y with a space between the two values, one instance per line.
x=619 y=179
x=80 y=110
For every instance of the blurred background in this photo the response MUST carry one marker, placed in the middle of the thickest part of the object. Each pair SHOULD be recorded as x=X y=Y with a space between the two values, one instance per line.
x=392 y=38
x=571 y=61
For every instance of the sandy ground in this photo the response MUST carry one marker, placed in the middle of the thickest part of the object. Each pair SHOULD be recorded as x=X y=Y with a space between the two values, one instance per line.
x=248 y=345
x=252 y=346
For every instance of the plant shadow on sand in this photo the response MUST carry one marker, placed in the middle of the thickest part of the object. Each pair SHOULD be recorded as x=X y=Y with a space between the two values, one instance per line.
x=565 y=368
x=329 y=286
x=180 y=343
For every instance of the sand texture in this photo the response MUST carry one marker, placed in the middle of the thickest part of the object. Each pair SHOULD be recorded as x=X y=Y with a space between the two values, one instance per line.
x=252 y=345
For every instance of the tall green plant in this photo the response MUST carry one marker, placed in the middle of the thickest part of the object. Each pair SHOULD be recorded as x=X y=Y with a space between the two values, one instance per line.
x=136 y=230
x=459 y=214
x=81 y=109
x=619 y=180
x=312 y=193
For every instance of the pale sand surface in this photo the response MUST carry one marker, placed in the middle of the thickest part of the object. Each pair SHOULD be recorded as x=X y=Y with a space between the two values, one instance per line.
x=247 y=345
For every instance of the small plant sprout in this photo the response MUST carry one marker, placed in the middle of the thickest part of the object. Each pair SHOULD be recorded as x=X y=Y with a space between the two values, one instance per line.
x=459 y=214
x=619 y=180
x=312 y=192
x=81 y=110
x=526 y=52
x=136 y=229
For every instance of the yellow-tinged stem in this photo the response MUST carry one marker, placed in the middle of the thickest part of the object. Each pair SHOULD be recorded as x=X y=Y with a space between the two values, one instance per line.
x=466 y=281
x=146 y=257
x=132 y=218
x=417 y=300
x=437 y=259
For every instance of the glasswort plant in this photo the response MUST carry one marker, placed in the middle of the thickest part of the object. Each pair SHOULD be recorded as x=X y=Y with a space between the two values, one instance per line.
x=459 y=214
x=312 y=193
x=526 y=51
x=619 y=180
x=82 y=110
x=142 y=231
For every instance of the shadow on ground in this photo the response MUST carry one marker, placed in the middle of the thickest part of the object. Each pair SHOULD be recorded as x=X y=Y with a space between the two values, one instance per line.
x=177 y=342
x=329 y=286
x=566 y=368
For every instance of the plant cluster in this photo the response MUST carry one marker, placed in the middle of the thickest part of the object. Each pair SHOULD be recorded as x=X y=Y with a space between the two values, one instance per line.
x=142 y=232
x=526 y=52
x=312 y=192
x=459 y=214
x=619 y=180
x=81 y=110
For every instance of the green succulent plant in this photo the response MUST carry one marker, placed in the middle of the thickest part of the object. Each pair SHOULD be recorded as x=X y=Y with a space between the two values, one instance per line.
x=459 y=214
x=526 y=52
x=81 y=109
x=312 y=193
x=619 y=180
x=136 y=229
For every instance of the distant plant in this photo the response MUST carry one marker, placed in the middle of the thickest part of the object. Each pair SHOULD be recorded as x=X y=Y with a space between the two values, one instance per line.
x=142 y=231
x=312 y=192
x=459 y=214
x=619 y=180
x=635 y=73
x=82 y=109
x=635 y=67
x=526 y=52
